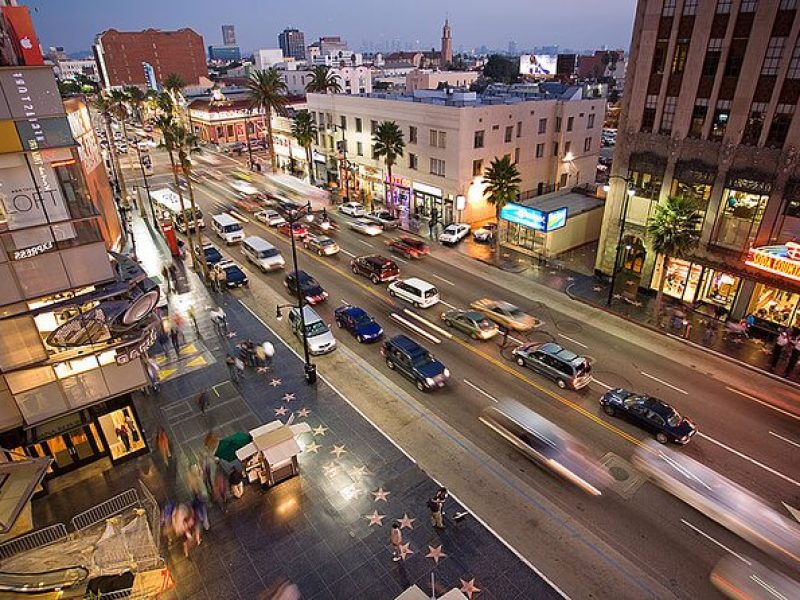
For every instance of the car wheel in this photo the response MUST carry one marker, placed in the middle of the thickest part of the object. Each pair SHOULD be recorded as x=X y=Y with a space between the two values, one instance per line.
x=420 y=386
x=360 y=339
x=416 y=304
x=448 y=322
x=661 y=437
x=339 y=324
x=390 y=364
x=520 y=361
x=375 y=279
x=392 y=294
x=561 y=383
x=609 y=410
x=474 y=336
x=355 y=271
x=319 y=252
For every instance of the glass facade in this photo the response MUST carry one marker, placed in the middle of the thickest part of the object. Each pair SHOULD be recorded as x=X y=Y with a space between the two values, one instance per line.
x=695 y=283
x=739 y=218
x=775 y=305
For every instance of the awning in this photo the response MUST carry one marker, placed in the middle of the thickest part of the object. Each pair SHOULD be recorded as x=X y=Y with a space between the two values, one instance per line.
x=18 y=482
x=227 y=447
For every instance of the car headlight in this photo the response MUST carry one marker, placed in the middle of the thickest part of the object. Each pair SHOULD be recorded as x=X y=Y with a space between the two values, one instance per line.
x=446 y=372
x=429 y=381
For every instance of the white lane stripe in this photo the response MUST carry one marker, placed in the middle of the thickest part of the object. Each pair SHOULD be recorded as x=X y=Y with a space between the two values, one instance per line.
x=436 y=328
x=447 y=281
x=749 y=459
x=366 y=243
x=718 y=543
x=402 y=260
x=513 y=339
x=480 y=391
x=787 y=440
x=762 y=402
x=600 y=383
x=415 y=329
x=350 y=254
x=448 y=304
x=661 y=381
x=569 y=339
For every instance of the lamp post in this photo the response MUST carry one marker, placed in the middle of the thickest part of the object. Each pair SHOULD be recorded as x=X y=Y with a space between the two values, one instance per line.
x=304 y=212
x=629 y=193
x=345 y=168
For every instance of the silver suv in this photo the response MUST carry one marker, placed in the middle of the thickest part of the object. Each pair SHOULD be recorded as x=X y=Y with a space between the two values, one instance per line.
x=563 y=366
x=318 y=334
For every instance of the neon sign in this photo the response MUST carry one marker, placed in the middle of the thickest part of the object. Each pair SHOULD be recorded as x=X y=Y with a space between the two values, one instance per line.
x=779 y=260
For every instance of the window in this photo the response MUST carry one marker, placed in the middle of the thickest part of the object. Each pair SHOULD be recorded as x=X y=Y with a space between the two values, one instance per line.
x=567 y=147
x=720 y=121
x=794 y=64
x=590 y=122
x=563 y=182
x=724 y=7
x=539 y=150
x=373 y=127
x=343 y=121
x=442 y=139
x=772 y=58
x=780 y=125
x=748 y=6
x=412 y=134
x=477 y=167
x=679 y=58
x=358 y=125
x=698 y=118
x=478 y=139
x=412 y=161
x=359 y=148
x=516 y=155
x=788 y=4
x=713 y=55
x=669 y=8
x=668 y=116
x=519 y=128
x=570 y=123
x=733 y=66
x=434 y=138
x=690 y=7
x=437 y=167
x=558 y=124
x=755 y=124
x=555 y=148
x=659 y=57
x=587 y=144
x=509 y=134
x=542 y=125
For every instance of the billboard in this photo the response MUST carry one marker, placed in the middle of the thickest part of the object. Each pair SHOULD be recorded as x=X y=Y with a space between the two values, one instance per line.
x=36 y=134
x=533 y=218
x=23 y=35
x=30 y=93
x=25 y=203
x=538 y=65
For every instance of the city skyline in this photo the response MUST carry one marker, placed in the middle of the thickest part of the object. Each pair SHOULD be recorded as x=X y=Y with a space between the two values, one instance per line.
x=75 y=25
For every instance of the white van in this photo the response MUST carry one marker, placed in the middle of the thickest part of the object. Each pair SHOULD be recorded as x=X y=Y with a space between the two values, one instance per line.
x=262 y=254
x=227 y=228
x=419 y=293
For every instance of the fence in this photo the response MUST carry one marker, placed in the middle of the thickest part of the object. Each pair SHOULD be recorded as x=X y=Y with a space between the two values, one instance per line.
x=150 y=504
x=109 y=508
x=33 y=540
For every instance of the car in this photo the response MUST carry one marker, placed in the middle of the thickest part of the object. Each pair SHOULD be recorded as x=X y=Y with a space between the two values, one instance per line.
x=384 y=218
x=419 y=293
x=376 y=268
x=506 y=314
x=270 y=217
x=300 y=232
x=321 y=244
x=211 y=253
x=244 y=187
x=287 y=208
x=650 y=414
x=354 y=209
x=234 y=275
x=454 y=233
x=318 y=335
x=563 y=366
x=471 y=322
x=486 y=233
x=323 y=225
x=409 y=247
x=358 y=322
x=247 y=204
x=311 y=290
x=406 y=356
x=366 y=227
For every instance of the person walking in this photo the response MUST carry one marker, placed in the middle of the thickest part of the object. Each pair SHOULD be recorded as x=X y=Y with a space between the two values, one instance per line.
x=162 y=441
x=269 y=352
x=212 y=275
x=778 y=348
x=233 y=372
x=436 y=504
x=152 y=371
x=793 y=357
x=202 y=401
x=175 y=336
x=222 y=280
x=236 y=482
x=261 y=356
x=190 y=314
x=396 y=539
x=166 y=278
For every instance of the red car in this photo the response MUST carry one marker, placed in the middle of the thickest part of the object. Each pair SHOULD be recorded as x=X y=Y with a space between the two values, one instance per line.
x=247 y=205
x=409 y=247
x=300 y=232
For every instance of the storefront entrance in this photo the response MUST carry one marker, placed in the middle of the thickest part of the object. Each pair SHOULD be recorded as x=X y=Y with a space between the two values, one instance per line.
x=70 y=450
x=692 y=282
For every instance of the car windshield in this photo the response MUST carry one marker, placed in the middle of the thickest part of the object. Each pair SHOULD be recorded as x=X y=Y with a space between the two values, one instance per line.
x=632 y=400
x=326 y=242
x=363 y=319
x=451 y=230
x=232 y=270
x=422 y=359
x=316 y=328
x=674 y=418
x=268 y=253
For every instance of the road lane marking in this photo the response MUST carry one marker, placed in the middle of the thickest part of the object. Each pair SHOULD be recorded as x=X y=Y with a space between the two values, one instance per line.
x=416 y=329
x=350 y=254
x=661 y=381
x=512 y=338
x=447 y=281
x=448 y=304
x=402 y=260
x=366 y=243
x=600 y=383
x=436 y=328
x=749 y=459
x=480 y=391
x=787 y=440
x=576 y=342
x=717 y=542
x=763 y=403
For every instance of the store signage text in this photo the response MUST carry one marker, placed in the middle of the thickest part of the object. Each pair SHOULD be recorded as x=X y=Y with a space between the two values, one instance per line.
x=135 y=351
x=779 y=260
x=33 y=250
x=533 y=218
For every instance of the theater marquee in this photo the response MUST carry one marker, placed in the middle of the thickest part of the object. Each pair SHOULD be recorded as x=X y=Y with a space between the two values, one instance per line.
x=778 y=260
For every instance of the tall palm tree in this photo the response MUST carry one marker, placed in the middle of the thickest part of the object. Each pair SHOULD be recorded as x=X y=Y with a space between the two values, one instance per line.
x=304 y=131
x=103 y=104
x=173 y=85
x=674 y=231
x=502 y=186
x=323 y=81
x=120 y=110
x=186 y=144
x=136 y=99
x=388 y=143
x=268 y=93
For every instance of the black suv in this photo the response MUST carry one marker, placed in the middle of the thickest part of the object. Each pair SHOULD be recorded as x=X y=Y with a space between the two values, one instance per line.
x=415 y=362
x=376 y=268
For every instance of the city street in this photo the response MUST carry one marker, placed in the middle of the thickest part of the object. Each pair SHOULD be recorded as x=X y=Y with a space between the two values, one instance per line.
x=635 y=529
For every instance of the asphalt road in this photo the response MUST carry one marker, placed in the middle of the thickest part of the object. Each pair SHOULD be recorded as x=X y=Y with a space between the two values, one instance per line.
x=740 y=438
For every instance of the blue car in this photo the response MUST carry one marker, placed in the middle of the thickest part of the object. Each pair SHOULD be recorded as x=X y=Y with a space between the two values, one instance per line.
x=358 y=322
x=234 y=276
x=212 y=254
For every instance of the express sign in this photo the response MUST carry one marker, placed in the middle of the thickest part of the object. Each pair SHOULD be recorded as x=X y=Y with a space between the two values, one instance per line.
x=779 y=260
x=533 y=218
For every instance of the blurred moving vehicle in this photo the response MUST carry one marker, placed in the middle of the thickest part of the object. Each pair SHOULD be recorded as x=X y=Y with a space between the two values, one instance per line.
x=471 y=322
x=358 y=322
x=353 y=209
x=270 y=217
x=485 y=234
x=454 y=233
x=506 y=314
x=247 y=204
x=243 y=186
x=543 y=442
x=409 y=247
x=261 y=253
x=563 y=366
x=321 y=244
x=650 y=414
x=739 y=580
x=313 y=292
x=384 y=218
x=300 y=232
x=414 y=362
x=366 y=227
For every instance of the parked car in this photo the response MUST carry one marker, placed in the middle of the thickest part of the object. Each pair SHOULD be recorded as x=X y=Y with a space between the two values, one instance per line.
x=300 y=231
x=354 y=209
x=454 y=233
x=384 y=218
x=506 y=314
x=486 y=233
x=376 y=268
x=366 y=227
x=212 y=254
x=234 y=275
x=471 y=322
x=261 y=253
x=358 y=322
x=322 y=245
x=566 y=368
x=650 y=414
x=409 y=247
x=416 y=291
x=414 y=362
x=270 y=217
x=319 y=338
x=311 y=290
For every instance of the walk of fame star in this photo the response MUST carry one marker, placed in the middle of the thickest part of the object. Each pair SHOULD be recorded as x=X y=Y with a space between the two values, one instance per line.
x=375 y=519
x=406 y=521
x=275 y=382
x=288 y=397
x=435 y=553
x=281 y=411
x=320 y=430
x=338 y=450
x=357 y=472
x=405 y=550
x=381 y=495
x=469 y=588
x=261 y=369
x=313 y=447
x=303 y=412
x=231 y=334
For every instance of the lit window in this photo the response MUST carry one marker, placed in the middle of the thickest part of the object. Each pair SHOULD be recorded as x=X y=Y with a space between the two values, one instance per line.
x=772 y=58
x=669 y=8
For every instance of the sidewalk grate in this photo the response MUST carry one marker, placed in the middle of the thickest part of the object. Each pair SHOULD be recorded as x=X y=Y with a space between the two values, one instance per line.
x=625 y=479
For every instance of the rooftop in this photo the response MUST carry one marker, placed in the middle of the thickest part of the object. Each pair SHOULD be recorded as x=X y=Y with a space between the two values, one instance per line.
x=577 y=202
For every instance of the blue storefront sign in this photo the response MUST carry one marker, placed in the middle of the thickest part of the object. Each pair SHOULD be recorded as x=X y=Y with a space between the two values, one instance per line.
x=533 y=218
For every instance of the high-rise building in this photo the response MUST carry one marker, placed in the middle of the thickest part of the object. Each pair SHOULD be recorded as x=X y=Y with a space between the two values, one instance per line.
x=228 y=35
x=224 y=53
x=447 y=44
x=120 y=54
x=708 y=114
x=293 y=43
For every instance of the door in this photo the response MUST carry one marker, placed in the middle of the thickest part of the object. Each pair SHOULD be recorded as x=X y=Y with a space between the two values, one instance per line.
x=72 y=449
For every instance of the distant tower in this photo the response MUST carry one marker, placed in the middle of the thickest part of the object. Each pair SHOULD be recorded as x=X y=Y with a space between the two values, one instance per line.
x=447 y=44
x=228 y=35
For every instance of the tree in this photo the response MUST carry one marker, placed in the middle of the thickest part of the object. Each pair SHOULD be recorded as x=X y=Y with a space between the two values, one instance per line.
x=323 y=81
x=304 y=131
x=186 y=143
x=173 y=85
x=388 y=143
x=119 y=108
x=502 y=186
x=68 y=88
x=104 y=105
x=502 y=69
x=136 y=99
x=268 y=93
x=674 y=231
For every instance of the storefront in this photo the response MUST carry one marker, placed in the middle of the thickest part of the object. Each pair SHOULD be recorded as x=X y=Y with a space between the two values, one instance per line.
x=695 y=283
x=427 y=198
x=403 y=193
x=744 y=201
x=772 y=303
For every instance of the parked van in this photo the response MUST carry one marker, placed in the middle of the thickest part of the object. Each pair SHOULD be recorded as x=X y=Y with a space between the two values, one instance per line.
x=262 y=254
x=318 y=335
x=416 y=291
x=227 y=228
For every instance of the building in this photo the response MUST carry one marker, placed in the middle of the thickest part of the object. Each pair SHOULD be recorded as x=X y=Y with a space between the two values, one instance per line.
x=451 y=137
x=228 y=35
x=341 y=58
x=69 y=69
x=447 y=45
x=293 y=43
x=330 y=45
x=354 y=80
x=427 y=79
x=708 y=113
x=267 y=57
x=224 y=53
x=224 y=120
x=121 y=54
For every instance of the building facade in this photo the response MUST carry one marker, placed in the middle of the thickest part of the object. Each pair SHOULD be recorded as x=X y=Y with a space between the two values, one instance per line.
x=447 y=44
x=228 y=35
x=354 y=80
x=224 y=53
x=226 y=120
x=69 y=69
x=708 y=113
x=293 y=43
x=267 y=57
x=427 y=79
x=121 y=54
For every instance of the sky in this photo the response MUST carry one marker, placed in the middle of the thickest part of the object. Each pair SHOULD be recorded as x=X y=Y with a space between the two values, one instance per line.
x=576 y=24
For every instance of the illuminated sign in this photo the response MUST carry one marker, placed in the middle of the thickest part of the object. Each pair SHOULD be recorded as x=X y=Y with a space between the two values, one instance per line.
x=541 y=65
x=135 y=351
x=779 y=260
x=533 y=218
x=556 y=219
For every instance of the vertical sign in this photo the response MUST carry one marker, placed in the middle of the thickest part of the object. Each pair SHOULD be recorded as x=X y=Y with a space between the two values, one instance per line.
x=26 y=41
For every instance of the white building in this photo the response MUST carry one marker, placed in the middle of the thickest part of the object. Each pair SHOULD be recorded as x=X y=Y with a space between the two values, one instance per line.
x=354 y=80
x=69 y=69
x=267 y=57
x=344 y=57
x=429 y=79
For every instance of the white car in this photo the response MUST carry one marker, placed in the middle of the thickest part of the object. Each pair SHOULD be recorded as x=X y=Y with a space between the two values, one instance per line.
x=271 y=217
x=354 y=209
x=366 y=227
x=244 y=187
x=385 y=218
x=454 y=233
x=485 y=233
x=416 y=291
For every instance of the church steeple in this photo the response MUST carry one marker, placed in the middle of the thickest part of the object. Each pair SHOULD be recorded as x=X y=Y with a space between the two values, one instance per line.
x=447 y=44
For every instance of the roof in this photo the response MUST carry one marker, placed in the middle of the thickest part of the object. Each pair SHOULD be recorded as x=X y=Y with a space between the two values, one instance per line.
x=576 y=202
x=494 y=95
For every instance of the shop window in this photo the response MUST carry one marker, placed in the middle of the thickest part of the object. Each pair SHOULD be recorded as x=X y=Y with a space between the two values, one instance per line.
x=720 y=121
x=122 y=432
x=755 y=124
x=775 y=305
x=739 y=219
x=681 y=279
x=718 y=288
x=634 y=256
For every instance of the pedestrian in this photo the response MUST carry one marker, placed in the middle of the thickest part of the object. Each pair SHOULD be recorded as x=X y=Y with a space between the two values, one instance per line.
x=220 y=491
x=233 y=372
x=261 y=356
x=174 y=335
x=236 y=481
x=222 y=280
x=165 y=277
x=777 y=349
x=124 y=436
x=162 y=441
x=200 y=509
x=173 y=273
x=396 y=538
x=212 y=275
x=190 y=314
x=152 y=371
x=163 y=341
x=436 y=505
x=269 y=352
x=202 y=401
x=793 y=357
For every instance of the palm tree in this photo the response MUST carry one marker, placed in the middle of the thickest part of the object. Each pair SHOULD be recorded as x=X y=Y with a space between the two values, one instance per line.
x=502 y=186
x=304 y=131
x=186 y=144
x=103 y=104
x=674 y=231
x=173 y=85
x=388 y=143
x=120 y=110
x=136 y=98
x=323 y=81
x=268 y=93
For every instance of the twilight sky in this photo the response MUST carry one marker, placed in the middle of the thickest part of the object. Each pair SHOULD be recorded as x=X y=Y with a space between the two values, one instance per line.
x=577 y=24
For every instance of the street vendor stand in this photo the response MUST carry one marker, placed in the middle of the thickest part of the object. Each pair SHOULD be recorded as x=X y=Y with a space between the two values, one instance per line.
x=272 y=455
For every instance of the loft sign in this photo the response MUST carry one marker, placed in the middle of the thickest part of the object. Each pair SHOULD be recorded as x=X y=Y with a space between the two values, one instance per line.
x=778 y=260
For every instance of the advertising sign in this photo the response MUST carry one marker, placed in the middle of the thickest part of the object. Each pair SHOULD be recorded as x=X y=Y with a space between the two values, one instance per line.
x=24 y=35
x=533 y=218
x=31 y=93
x=778 y=260
x=541 y=65
x=23 y=204
x=44 y=133
x=556 y=219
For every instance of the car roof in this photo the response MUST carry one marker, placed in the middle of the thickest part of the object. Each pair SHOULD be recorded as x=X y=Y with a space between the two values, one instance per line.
x=474 y=315
x=405 y=343
x=226 y=264
x=558 y=351
x=659 y=407
x=353 y=311
x=377 y=258
x=423 y=285
x=309 y=314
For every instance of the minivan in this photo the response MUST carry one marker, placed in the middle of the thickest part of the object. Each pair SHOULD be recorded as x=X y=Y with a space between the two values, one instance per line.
x=227 y=228
x=318 y=335
x=566 y=368
x=416 y=291
x=417 y=364
x=262 y=254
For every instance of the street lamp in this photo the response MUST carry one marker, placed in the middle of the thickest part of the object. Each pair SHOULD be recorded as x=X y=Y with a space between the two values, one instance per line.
x=345 y=168
x=629 y=193
x=292 y=217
